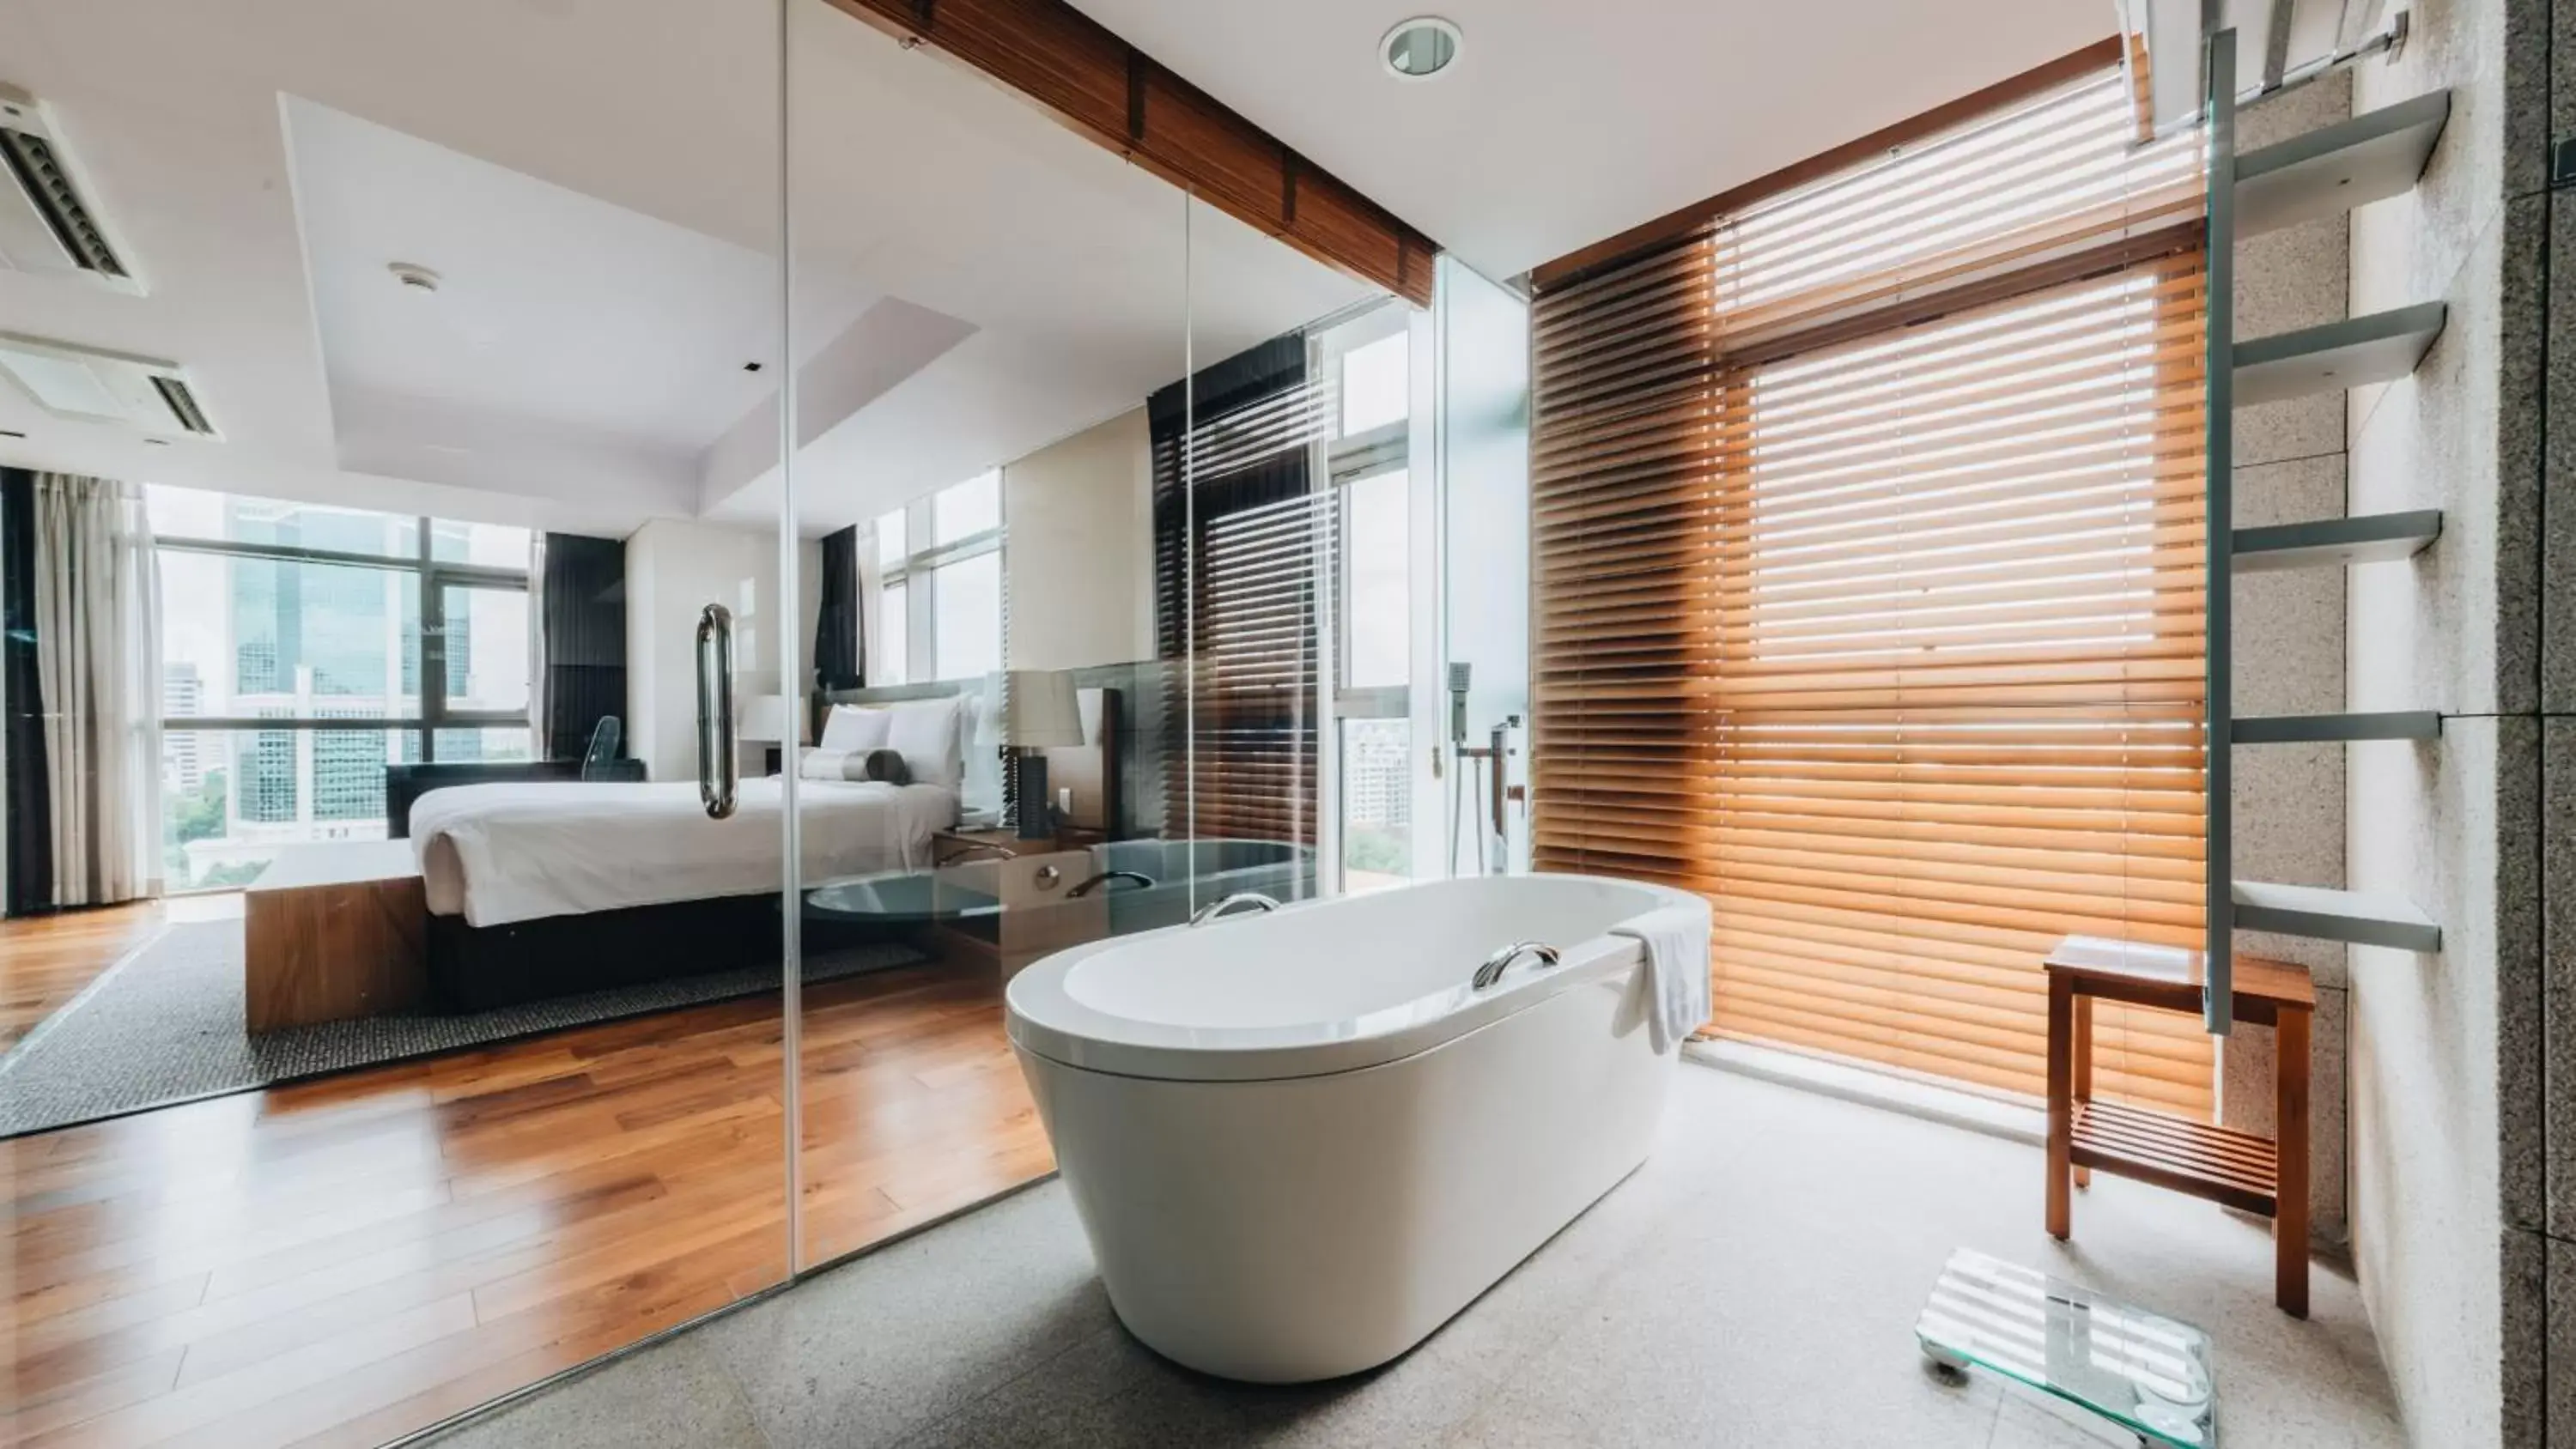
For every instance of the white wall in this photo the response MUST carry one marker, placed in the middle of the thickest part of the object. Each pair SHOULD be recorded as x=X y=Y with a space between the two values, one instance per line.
x=1080 y=559
x=675 y=568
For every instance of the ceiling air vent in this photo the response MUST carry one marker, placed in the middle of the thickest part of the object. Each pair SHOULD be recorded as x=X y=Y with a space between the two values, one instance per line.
x=105 y=387
x=46 y=224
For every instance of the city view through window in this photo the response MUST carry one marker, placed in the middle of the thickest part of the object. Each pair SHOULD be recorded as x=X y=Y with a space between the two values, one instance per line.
x=306 y=647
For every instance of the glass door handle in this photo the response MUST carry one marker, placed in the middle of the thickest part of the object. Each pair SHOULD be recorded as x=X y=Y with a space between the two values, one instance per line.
x=719 y=771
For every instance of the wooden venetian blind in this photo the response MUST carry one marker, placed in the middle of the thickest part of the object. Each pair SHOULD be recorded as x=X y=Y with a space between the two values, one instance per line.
x=1868 y=537
x=1242 y=535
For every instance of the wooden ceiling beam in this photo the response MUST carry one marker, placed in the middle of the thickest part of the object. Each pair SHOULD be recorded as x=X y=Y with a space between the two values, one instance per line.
x=1083 y=74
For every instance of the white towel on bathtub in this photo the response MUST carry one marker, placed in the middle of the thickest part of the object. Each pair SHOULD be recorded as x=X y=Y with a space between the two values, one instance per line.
x=1676 y=940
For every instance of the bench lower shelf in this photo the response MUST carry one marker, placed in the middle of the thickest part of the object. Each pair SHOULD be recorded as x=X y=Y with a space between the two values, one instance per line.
x=2235 y=1168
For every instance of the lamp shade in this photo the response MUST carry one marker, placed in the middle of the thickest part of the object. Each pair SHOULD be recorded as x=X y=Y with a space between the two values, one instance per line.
x=1032 y=709
x=764 y=719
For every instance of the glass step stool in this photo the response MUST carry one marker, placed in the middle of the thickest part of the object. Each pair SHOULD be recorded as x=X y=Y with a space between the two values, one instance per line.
x=2140 y=1370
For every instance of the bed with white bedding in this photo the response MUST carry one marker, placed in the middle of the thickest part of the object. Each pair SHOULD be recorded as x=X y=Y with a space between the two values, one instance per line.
x=546 y=888
x=500 y=854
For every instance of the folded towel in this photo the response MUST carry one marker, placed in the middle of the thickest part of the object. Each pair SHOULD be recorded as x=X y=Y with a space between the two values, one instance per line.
x=1676 y=941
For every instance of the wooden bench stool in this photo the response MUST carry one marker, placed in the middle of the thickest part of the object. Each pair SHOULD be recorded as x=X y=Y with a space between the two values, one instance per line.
x=2238 y=1169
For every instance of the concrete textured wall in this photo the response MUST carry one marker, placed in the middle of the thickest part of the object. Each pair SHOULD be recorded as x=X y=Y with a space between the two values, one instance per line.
x=2539 y=432
x=2448 y=1190
x=2288 y=800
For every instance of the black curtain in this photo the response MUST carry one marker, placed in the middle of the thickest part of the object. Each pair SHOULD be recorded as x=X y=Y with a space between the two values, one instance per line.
x=840 y=656
x=29 y=793
x=583 y=596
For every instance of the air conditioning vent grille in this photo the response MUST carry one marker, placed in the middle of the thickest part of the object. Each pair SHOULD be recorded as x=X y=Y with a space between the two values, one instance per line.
x=49 y=189
x=182 y=404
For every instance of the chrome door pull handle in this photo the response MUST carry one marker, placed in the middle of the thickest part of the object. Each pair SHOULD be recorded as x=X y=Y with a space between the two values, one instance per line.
x=719 y=769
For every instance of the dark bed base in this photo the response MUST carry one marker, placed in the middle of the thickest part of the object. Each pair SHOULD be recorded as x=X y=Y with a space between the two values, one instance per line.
x=478 y=968
x=475 y=968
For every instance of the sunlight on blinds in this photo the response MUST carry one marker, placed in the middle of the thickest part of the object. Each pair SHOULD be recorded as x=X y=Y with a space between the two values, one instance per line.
x=1868 y=533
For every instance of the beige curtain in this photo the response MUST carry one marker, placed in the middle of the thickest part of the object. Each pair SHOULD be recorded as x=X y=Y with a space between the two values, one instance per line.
x=98 y=661
x=540 y=698
x=871 y=579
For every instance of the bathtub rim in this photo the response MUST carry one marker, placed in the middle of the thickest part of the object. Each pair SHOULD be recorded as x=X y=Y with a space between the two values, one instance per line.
x=1043 y=1019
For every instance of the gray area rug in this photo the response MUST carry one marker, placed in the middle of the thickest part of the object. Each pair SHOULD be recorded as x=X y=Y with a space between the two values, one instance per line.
x=165 y=1025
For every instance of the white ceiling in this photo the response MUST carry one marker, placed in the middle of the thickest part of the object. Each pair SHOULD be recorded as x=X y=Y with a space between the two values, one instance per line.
x=1562 y=124
x=597 y=183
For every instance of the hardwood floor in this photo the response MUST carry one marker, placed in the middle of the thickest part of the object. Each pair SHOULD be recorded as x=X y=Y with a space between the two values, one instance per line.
x=45 y=961
x=345 y=1261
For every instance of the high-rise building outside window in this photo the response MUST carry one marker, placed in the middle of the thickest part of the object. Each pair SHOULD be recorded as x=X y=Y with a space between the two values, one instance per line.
x=306 y=647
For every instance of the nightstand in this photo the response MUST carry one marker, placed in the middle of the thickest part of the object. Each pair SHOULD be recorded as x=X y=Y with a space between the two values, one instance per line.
x=1033 y=884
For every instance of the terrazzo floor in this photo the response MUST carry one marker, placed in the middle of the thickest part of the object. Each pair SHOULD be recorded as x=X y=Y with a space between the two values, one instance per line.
x=1755 y=1283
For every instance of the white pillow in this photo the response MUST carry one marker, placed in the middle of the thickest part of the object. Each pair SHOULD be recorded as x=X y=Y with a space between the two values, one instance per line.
x=815 y=763
x=930 y=735
x=852 y=730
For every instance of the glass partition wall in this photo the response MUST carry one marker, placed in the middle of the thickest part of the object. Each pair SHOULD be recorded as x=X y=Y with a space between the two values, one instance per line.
x=1482 y=389
x=729 y=584
x=405 y=383
x=1290 y=580
x=982 y=302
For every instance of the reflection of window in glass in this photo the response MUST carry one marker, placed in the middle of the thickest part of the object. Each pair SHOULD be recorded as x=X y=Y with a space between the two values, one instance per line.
x=1377 y=592
x=949 y=543
x=966 y=610
x=1375 y=384
x=487 y=651
x=970 y=508
x=1377 y=803
x=890 y=539
x=893 y=633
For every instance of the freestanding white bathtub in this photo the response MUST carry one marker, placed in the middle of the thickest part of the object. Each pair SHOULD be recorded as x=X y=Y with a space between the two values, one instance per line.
x=1301 y=1141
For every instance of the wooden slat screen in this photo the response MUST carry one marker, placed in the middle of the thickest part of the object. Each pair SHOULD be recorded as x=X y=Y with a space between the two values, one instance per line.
x=1869 y=591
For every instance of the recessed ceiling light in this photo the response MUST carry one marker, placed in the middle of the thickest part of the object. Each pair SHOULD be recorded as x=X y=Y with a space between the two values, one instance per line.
x=1420 y=48
x=413 y=274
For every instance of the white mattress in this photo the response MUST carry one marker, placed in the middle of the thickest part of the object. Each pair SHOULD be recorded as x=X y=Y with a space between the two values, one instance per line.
x=495 y=854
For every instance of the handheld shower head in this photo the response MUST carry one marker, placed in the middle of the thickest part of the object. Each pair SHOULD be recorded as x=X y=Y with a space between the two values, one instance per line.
x=1458 y=673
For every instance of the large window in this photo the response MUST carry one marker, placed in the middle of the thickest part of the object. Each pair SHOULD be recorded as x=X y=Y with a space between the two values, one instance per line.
x=941 y=602
x=1367 y=361
x=306 y=647
x=1868 y=528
